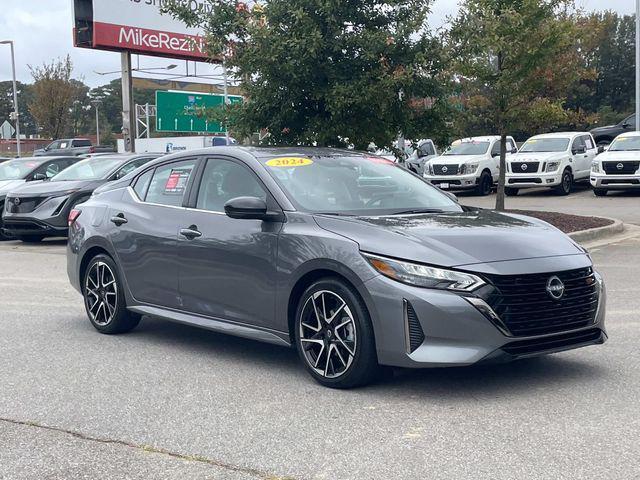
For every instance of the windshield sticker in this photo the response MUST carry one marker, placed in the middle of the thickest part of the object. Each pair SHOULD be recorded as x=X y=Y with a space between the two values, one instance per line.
x=177 y=181
x=285 y=162
x=380 y=160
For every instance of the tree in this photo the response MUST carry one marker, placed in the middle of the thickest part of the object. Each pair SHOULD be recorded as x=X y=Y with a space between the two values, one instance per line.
x=328 y=72
x=520 y=56
x=53 y=93
x=27 y=123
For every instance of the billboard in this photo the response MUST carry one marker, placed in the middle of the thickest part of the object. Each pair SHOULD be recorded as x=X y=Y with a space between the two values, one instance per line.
x=186 y=111
x=137 y=26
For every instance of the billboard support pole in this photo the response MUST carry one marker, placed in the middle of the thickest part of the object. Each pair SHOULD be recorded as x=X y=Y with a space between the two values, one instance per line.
x=128 y=107
x=226 y=95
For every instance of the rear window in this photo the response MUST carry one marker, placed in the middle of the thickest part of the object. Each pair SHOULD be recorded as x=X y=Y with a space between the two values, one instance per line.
x=81 y=143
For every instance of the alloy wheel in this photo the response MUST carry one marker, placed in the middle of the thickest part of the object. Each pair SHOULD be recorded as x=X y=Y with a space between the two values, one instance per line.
x=328 y=334
x=101 y=294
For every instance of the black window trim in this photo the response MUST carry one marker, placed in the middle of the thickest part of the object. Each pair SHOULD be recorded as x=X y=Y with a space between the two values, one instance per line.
x=197 y=165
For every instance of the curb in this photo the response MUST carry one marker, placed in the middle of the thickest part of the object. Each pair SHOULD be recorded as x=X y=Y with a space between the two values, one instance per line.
x=592 y=234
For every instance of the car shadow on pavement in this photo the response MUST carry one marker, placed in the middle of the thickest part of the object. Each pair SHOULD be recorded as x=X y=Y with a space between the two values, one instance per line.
x=516 y=378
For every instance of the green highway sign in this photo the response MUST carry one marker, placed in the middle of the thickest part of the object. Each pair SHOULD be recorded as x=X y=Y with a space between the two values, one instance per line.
x=187 y=112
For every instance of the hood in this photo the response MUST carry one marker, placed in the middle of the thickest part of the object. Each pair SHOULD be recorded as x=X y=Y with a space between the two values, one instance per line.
x=537 y=156
x=47 y=189
x=619 y=156
x=454 y=239
x=7 y=185
x=455 y=159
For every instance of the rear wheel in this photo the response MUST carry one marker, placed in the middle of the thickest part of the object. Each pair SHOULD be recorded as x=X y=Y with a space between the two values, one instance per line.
x=334 y=335
x=600 y=192
x=31 y=238
x=510 y=192
x=485 y=184
x=566 y=185
x=104 y=298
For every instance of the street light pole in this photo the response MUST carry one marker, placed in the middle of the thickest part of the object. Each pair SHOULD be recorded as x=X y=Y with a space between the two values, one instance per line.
x=15 y=95
x=638 y=65
x=96 y=104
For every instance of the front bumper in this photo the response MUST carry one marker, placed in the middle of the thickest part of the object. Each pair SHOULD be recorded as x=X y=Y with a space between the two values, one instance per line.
x=19 y=226
x=453 y=182
x=534 y=180
x=614 y=182
x=455 y=333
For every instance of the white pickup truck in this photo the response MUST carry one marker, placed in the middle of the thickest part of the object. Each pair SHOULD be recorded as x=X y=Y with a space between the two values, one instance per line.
x=470 y=163
x=619 y=167
x=554 y=160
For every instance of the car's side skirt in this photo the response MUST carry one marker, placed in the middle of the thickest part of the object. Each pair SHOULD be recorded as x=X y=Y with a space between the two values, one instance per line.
x=216 y=325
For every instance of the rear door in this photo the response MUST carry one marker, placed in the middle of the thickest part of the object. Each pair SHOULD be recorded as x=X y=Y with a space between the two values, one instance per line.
x=228 y=266
x=144 y=231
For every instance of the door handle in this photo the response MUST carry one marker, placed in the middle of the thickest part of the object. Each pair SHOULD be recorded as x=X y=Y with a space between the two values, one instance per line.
x=119 y=220
x=190 y=233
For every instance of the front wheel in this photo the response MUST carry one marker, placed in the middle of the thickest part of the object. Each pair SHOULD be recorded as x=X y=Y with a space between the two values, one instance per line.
x=485 y=184
x=600 y=192
x=104 y=298
x=566 y=185
x=334 y=336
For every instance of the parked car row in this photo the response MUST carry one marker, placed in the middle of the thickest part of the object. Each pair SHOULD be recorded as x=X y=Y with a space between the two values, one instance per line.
x=37 y=194
x=553 y=160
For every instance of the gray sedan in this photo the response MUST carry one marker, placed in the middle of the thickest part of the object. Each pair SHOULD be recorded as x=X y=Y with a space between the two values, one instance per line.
x=347 y=257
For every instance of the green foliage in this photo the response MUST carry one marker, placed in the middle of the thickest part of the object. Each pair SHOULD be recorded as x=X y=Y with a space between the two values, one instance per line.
x=25 y=93
x=329 y=72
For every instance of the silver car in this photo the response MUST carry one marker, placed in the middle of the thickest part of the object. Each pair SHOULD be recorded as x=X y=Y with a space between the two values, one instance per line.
x=348 y=258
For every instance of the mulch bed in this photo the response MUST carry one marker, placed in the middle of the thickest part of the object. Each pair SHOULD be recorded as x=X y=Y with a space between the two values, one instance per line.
x=566 y=223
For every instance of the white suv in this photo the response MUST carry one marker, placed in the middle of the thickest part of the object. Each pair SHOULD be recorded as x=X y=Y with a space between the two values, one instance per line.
x=553 y=160
x=471 y=163
x=619 y=167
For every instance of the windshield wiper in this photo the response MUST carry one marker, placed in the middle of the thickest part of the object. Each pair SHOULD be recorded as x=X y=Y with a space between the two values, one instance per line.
x=418 y=210
x=334 y=214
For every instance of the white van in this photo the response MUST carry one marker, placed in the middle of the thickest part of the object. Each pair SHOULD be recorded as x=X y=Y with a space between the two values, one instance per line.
x=554 y=160
x=470 y=163
x=619 y=167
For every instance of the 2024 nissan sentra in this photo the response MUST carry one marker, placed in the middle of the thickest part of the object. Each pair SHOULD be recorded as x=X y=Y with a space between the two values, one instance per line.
x=351 y=259
x=36 y=211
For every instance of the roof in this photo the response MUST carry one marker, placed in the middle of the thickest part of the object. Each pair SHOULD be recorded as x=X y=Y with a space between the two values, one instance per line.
x=270 y=152
x=629 y=134
x=487 y=138
x=560 y=135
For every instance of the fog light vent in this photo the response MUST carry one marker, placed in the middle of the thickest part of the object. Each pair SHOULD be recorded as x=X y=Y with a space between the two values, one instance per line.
x=413 y=331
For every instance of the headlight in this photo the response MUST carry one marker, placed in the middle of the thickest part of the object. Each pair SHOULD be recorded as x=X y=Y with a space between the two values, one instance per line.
x=428 y=168
x=424 y=276
x=468 y=168
x=552 y=166
x=595 y=167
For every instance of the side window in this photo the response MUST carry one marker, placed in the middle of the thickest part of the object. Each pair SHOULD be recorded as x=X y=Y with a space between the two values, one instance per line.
x=496 y=149
x=426 y=149
x=142 y=184
x=588 y=141
x=130 y=167
x=64 y=144
x=631 y=121
x=511 y=146
x=54 y=145
x=578 y=143
x=169 y=183
x=223 y=180
x=81 y=143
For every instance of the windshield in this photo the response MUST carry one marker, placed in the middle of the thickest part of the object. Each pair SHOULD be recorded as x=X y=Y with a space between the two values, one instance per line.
x=545 y=145
x=355 y=186
x=17 y=169
x=89 y=169
x=625 y=144
x=468 y=148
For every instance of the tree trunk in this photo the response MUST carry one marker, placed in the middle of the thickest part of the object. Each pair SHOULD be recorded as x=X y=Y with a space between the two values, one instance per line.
x=503 y=170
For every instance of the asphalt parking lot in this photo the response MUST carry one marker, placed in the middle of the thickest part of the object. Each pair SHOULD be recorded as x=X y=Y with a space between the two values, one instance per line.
x=172 y=401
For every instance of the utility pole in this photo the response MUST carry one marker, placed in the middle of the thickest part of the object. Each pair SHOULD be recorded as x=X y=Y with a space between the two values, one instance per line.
x=638 y=65
x=226 y=94
x=128 y=107
x=96 y=103
x=16 y=114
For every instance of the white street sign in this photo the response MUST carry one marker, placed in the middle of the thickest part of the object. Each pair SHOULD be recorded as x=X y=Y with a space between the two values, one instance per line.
x=7 y=131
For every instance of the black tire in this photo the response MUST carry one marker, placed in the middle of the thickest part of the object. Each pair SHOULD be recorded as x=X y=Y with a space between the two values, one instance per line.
x=600 y=192
x=113 y=317
x=485 y=184
x=355 y=341
x=510 y=192
x=31 y=238
x=566 y=184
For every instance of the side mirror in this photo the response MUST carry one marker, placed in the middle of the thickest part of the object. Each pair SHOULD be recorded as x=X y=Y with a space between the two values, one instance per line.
x=39 y=176
x=600 y=149
x=495 y=155
x=249 y=208
x=514 y=150
x=626 y=125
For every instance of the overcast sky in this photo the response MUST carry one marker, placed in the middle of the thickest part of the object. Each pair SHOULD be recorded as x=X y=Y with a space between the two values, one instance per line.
x=42 y=31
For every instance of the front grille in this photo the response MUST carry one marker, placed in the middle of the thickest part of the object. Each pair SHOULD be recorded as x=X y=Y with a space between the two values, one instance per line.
x=555 y=342
x=525 y=180
x=620 y=168
x=445 y=169
x=525 y=167
x=25 y=205
x=414 y=333
x=527 y=309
